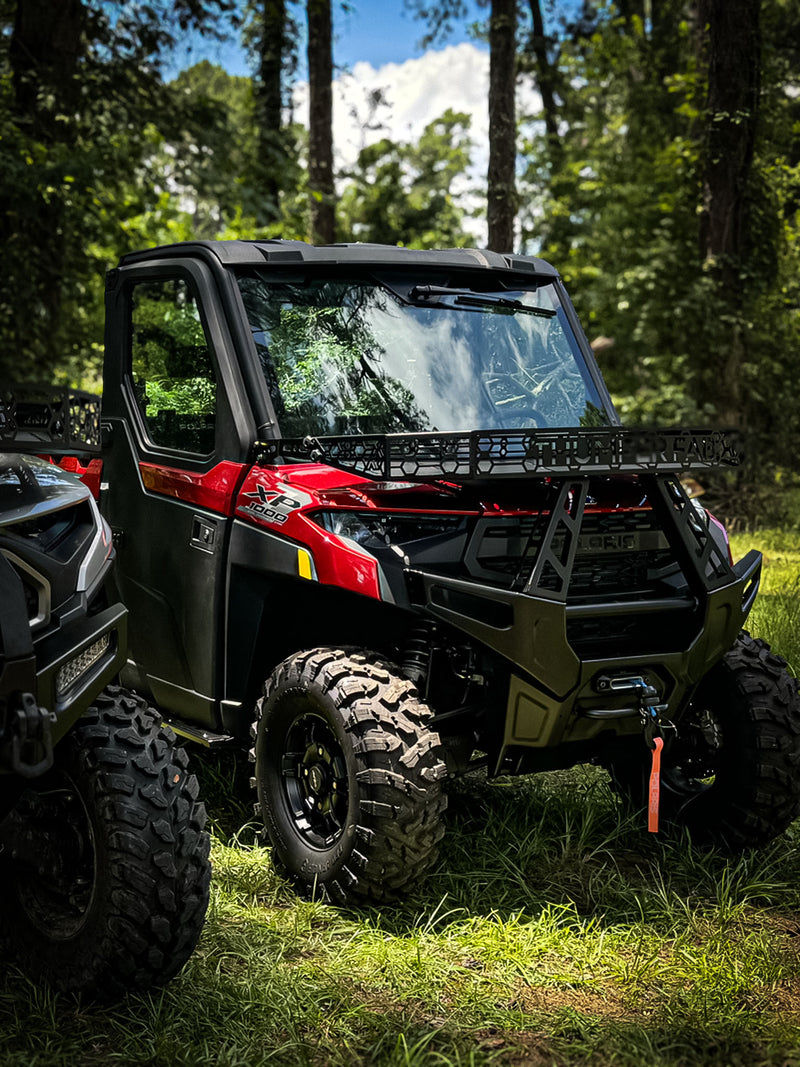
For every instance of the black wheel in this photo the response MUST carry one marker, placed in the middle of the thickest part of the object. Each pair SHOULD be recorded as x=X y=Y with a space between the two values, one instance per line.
x=731 y=774
x=109 y=889
x=348 y=775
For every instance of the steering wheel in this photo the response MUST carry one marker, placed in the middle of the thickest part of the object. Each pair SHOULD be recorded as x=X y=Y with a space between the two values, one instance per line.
x=529 y=418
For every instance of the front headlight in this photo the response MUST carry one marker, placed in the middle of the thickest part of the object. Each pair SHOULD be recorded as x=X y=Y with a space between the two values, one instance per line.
x=700 y=514
x=380 y=529
x=76 y=667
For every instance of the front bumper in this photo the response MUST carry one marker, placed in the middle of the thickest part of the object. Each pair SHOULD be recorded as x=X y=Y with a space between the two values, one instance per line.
x=553 y=697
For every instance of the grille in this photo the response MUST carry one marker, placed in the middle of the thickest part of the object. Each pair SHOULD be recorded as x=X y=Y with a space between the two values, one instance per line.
x=619 y=554
x=622 y=557
x=505 y=549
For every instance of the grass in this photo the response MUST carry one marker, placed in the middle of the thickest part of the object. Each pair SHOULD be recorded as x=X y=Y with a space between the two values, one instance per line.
x=776 y=613
x=553 y=931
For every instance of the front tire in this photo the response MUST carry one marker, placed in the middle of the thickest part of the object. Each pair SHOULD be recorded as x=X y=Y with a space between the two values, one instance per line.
x=120 y=896
x=731 y=775
x=348 y=775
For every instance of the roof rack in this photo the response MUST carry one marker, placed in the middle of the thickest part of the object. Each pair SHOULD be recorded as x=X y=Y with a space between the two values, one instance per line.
x=43 y=420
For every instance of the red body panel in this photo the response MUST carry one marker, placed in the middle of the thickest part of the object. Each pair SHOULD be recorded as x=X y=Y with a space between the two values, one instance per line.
x=90 y=475
x=214 y=490
x=272 y=497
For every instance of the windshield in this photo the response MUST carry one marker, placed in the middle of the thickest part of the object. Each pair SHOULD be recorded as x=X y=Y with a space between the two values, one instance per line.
x=390 y=353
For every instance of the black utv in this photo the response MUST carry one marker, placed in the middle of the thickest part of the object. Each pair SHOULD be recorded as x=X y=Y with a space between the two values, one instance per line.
x=377 y=520
x=104 y=870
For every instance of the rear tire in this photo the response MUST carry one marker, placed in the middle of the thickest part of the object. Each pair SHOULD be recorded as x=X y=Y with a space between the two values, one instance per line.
x=348 y=775
x=731 y=775
x=121 y=894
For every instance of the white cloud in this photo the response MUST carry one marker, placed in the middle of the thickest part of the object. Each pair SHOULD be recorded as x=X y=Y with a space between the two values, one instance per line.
x=417 y=91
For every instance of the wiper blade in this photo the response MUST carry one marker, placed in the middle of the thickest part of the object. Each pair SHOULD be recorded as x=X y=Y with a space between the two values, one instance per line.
x=434 y=296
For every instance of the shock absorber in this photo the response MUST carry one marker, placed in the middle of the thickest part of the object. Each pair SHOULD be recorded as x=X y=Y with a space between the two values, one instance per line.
x=416 y=660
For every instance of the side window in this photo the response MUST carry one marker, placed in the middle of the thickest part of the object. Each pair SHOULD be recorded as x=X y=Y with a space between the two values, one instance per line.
x=173 y=377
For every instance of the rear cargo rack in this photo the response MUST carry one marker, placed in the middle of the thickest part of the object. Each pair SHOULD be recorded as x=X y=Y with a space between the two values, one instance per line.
x=512 y=453
x=42 y=420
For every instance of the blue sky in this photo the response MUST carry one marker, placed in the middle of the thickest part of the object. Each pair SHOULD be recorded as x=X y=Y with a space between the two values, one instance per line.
x=372 y=31
x=380 y=32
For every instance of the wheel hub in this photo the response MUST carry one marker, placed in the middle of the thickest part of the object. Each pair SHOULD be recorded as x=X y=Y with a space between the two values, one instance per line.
x=316 y=779
x=57 y=863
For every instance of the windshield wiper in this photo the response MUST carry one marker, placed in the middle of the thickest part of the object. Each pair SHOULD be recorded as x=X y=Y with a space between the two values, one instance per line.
x=435 y=295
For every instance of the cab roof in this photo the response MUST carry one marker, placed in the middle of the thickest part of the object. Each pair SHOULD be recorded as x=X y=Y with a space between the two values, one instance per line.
x=278 y=252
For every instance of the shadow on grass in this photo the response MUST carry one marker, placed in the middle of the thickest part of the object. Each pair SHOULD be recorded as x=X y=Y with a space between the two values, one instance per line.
x=226 y=1013
x=224 y=777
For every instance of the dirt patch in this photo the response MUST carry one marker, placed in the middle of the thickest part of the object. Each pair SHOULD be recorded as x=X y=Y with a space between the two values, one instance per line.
x=787 y=924
x=782 y=999
x=524 y=1050
x=606 y=1003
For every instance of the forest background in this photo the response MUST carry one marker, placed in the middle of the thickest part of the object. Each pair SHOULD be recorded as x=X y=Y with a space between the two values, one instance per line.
x=659 y=170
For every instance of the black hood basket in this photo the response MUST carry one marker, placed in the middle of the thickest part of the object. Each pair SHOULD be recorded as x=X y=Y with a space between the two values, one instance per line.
x=481 y=454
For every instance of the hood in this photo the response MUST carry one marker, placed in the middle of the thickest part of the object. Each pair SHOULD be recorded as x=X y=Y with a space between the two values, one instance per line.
x=31 y=487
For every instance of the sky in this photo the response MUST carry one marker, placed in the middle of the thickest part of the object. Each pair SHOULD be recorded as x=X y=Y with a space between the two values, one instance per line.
x=377 y=46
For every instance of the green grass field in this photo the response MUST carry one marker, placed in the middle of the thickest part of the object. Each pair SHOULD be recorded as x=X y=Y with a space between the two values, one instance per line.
x=552 y=931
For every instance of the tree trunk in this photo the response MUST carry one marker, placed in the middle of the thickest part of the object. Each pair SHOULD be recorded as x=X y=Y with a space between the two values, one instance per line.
x=731 y=39
x=546 y=77
x=320 y=122
x=269 y=106
x=501 y=193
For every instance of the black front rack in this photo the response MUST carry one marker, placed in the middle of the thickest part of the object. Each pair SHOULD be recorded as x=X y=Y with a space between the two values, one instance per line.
x=42 y=420
x=512 y=453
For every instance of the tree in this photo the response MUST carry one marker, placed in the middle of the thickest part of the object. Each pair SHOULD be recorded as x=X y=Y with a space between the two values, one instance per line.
x=214 y=163
x=82 y=92
x=545 y=75
x=320 y=122
x=401 y=192
x=43 y=55
x=730 y=52
x=673 y=210
x=271 y=36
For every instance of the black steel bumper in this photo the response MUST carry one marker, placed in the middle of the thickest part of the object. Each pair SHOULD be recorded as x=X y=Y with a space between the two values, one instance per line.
x=43 y=694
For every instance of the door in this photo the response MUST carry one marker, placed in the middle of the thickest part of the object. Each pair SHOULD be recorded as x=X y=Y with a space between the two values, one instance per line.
x=177 y=435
